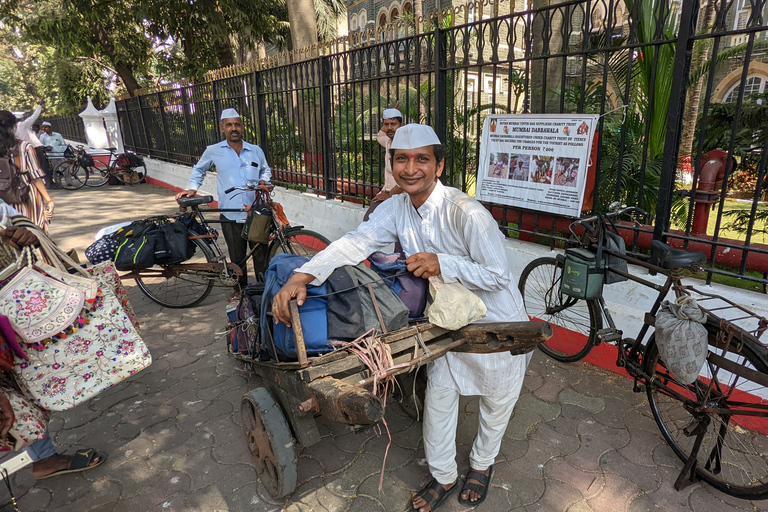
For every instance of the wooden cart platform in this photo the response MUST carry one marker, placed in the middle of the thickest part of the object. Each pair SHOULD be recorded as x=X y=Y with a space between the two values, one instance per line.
x=337 y=385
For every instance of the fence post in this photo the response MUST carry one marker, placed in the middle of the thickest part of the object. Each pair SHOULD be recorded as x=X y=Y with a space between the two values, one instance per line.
x=187 y=122
x=675 y=117
x=326 y=113
x=144 y=126
x=261 y=112
x=215 y=93
x=441 y=86
x=166 y=139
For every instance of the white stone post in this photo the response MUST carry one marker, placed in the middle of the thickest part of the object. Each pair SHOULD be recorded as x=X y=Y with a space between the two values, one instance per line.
x=114 y=136
x=93 y=121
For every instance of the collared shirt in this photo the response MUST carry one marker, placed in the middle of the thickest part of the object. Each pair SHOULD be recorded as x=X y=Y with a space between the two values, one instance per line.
x=389 y=179
x=470 y=249
x=24 y=128
x=56 y=141
x=232 y=171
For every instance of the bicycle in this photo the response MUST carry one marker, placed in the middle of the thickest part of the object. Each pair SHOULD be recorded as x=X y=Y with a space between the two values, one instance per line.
x=189 y=283
x=718 y=424
x=74 y=172
x=127 y=168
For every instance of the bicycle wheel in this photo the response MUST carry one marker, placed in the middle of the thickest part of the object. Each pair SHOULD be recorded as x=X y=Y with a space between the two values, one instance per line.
x=178 y=289
x=98 y=174
x=575 y=322
x=734 y=452
x=299 y=241
x=70 y=176
x=128 y=175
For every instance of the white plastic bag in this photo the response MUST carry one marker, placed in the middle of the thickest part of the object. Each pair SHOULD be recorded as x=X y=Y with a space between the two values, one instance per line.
x=453 y=306
x=681 y=338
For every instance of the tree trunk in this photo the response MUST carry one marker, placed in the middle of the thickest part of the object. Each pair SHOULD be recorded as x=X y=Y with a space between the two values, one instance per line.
x=124 y=69
x=700 y=51
x=303 y=20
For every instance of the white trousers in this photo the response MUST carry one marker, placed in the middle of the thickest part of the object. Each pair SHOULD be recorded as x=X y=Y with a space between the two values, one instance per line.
x=441 y=412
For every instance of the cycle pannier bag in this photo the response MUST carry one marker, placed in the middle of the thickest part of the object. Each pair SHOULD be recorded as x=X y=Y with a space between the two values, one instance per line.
x=84 y=159
x=258 y=224
x=178 y=246
x=142 y=249
x=582 y=276
x=14 y=189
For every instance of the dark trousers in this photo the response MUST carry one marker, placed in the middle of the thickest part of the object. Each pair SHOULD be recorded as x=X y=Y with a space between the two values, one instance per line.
x=238 y=248
x=42 y=157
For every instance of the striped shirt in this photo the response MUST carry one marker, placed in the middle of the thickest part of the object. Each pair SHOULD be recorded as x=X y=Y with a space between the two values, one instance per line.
x=470 y=249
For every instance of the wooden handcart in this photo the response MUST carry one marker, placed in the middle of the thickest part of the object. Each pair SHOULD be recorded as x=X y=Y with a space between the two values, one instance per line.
x=279 y=417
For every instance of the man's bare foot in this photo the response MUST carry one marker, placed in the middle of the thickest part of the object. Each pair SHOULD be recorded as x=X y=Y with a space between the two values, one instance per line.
x=470 y=495
x=432 y=491
x=59 y=462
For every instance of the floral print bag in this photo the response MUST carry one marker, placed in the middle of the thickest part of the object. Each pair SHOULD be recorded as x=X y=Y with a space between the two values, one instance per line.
x=100 y=349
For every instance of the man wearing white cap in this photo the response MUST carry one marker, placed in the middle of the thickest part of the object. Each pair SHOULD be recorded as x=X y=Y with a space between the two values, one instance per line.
x=52 y=141
x=444 y=232
x=237 y=163
x=392 y=119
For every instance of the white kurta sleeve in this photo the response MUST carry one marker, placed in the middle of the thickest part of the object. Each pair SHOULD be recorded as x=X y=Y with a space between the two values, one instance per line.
x=486 y=267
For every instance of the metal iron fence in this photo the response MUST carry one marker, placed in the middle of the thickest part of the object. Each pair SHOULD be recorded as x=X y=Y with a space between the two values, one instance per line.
x=668 y=78
x=70 y=128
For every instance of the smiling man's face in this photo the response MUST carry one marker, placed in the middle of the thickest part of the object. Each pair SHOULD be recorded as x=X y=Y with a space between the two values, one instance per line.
x=232 y=128
x=416 y=172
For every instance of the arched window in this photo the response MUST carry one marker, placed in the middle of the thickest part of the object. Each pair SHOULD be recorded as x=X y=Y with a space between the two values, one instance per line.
x=394 y=15
x=362 y=19
x=755 y=84
x=407 y=8
x=353 y=22
x=383 y=20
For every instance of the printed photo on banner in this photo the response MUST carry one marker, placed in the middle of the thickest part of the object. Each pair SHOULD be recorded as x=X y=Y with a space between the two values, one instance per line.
x=518 y=167
x=536 y=161
x=499 y=165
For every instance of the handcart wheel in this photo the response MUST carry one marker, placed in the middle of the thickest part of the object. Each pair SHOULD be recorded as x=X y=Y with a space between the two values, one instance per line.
x=270 y=442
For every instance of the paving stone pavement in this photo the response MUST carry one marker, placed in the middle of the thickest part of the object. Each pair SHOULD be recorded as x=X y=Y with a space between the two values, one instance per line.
x=580 y=440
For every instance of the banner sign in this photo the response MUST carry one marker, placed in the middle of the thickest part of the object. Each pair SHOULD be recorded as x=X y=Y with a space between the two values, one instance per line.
x=536 y=161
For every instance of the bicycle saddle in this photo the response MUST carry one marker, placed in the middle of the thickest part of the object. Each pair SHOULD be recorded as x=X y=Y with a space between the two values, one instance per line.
x=670 y=258
x=194 y=201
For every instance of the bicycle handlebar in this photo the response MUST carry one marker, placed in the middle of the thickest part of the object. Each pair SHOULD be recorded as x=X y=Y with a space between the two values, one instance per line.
x=588 y=222
x=267 y=188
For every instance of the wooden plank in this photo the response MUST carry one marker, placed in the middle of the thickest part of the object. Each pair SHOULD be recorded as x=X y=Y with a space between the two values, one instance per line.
x=298 y=334
x=514 y=337
x=398 y=342
x=343 y=403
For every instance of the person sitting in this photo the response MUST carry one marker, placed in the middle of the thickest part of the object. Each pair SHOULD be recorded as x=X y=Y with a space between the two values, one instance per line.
x=445 y=233
x=52 y=141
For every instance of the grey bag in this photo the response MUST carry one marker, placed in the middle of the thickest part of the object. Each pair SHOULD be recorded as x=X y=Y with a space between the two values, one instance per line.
x=351 y=310
x=681 y=338
x=614 y=243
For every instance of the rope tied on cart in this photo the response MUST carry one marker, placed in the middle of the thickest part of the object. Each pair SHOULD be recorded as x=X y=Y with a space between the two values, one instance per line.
x=377 y=357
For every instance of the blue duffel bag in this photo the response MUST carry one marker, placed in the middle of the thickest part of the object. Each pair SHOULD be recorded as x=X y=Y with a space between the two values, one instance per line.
x=313 y=313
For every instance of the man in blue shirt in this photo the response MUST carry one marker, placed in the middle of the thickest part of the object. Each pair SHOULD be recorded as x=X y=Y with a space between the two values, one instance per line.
x=237 y=163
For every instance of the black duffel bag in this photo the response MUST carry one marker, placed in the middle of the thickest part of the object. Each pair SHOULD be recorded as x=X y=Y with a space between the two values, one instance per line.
x=178 y=246
x=138 y=251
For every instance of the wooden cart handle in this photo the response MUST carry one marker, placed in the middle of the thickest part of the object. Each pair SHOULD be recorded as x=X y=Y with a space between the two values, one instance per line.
x=298 y=334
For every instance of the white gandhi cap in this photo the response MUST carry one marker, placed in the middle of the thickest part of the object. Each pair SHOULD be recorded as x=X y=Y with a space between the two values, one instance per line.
x=412 y=136
x=391 y=113
x=229 y=113
x=45 y=123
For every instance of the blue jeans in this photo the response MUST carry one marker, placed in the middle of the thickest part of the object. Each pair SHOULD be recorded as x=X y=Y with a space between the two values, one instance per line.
x=42 y=449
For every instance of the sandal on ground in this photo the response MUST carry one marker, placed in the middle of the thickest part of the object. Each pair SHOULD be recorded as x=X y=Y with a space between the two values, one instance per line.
x=81 y=461
x=480 y=488
x=442 y=494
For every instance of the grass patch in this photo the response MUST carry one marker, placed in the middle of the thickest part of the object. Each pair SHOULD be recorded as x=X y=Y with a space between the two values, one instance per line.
x=759 y=233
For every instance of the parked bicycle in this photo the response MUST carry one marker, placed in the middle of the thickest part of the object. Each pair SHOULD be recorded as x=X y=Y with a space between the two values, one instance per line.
x=127 y=168
x=76 y=169
x=189 y=283
x=716 y=425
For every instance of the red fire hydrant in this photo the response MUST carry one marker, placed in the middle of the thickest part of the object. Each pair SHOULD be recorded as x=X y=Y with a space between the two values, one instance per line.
x=711 y=173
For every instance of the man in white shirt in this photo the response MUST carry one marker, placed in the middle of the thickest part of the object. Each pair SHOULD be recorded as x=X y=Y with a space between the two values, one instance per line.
x=392 y=119
x=444 y=232
x=237 y=163
x=53 y=143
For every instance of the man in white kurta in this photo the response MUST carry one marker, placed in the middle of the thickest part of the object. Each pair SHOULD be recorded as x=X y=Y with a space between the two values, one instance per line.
x=443 y=232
